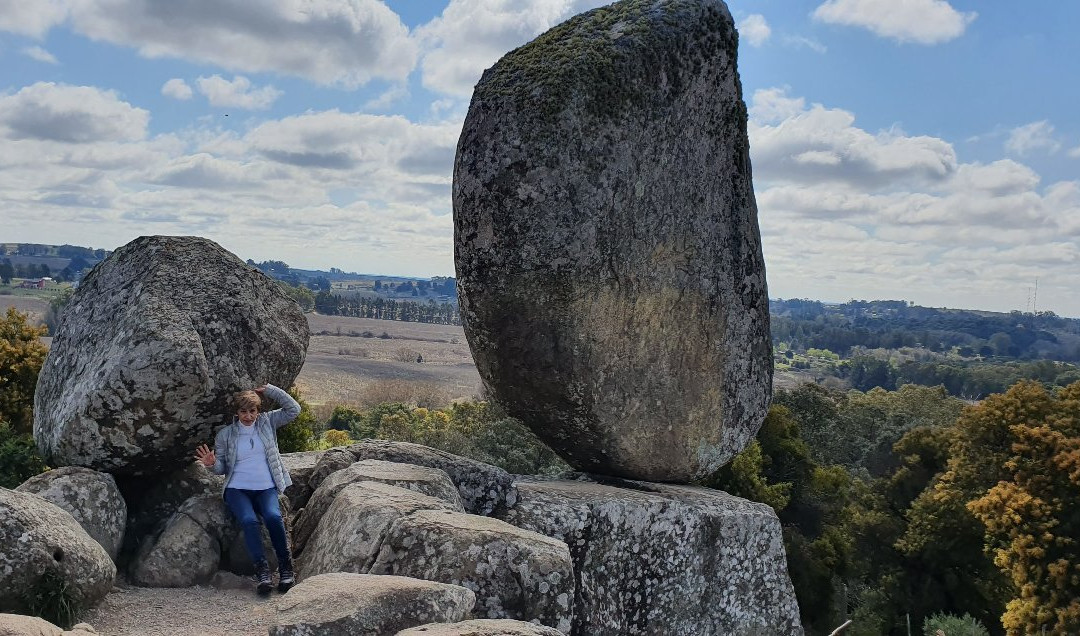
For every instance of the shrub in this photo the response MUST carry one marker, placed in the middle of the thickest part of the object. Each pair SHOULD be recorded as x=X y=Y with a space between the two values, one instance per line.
x=333 y=438
x=951 y=625
x=19 y=459
x=300 y=434
x=21 y=357
x=51 y=599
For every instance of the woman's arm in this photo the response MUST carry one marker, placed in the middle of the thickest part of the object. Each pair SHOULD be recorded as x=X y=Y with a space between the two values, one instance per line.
x=289 y=407
x=220 y=460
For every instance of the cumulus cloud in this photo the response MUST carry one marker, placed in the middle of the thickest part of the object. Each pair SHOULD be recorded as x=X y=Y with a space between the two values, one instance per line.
x=341 y=42
x=177 y=89
x=816 y=143
x=755 y=29
x=31 y=18
x=1038 y=135
x=237 y=93
x=849 y=213
x=918 y=21
x=74 y=114
x=471 y=35
x=40 y=54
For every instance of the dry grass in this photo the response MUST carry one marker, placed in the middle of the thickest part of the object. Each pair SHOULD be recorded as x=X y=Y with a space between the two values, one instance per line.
x=361 y=371
x=35 y=308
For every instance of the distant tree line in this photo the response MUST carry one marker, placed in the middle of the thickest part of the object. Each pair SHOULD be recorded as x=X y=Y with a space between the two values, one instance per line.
x=892 y=324
x=387 y=309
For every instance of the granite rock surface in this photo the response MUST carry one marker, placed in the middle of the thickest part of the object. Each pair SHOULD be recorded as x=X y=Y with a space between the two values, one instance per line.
x=150 y=349
x=608 y=256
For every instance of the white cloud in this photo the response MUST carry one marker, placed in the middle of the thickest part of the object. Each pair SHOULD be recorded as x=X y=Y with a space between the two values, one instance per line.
x=1038 y=135
x=31 y=18
x=771 y=105
x=471 y=35
x=40 y=54
x=74 y=114
x=847 y=213
x=237 y=93
x=755 y=29
x=343 y=42
x=1074 y=152
x=816 y=143
x=918 y=21
x=801 y=42
x=177 y=89
x=387 y=98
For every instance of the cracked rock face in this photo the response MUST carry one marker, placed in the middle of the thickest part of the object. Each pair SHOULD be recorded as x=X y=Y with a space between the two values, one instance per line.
x=665 y=559
x=608 y=256
x=151 y=347
x=351 y=531
x=515 y=573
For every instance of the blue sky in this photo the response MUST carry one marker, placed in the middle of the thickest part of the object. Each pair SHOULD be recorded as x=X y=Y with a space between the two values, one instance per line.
x=925 y=150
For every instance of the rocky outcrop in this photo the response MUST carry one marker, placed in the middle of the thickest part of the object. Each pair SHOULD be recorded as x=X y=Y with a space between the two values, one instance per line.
x=661 y=559
x=151 y=503
x=43 y=548
x=482 y=627
x=91 y=497
x=608 y=256
x=429 y=481
x=188 y=549
x=482 y=487
x=365 y=605
x=351 y=531
x=300 y=467
x=19 y=625
x=149 y=350
x=515 y=573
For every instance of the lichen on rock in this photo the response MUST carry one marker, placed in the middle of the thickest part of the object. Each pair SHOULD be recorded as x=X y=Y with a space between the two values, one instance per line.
x=609 y=262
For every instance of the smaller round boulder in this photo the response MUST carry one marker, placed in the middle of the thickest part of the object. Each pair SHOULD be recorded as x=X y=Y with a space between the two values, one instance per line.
x=91 y=497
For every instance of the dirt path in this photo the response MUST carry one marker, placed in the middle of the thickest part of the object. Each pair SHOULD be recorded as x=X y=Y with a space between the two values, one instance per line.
x=209 y=611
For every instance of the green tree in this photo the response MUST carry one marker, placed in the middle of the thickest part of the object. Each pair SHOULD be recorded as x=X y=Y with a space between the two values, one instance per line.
x=21 y=356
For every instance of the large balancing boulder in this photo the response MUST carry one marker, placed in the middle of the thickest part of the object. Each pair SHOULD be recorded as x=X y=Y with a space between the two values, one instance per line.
x=151 y=347
x=608 y=256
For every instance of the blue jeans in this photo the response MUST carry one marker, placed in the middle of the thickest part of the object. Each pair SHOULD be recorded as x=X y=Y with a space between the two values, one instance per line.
x=244 y=505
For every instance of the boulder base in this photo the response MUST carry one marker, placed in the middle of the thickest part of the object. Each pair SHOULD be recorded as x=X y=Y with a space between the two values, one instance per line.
x=659 y=559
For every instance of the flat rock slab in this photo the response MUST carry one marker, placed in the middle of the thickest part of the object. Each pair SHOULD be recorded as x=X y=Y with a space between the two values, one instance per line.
x=150 y=349
x=344 y=604
x=422 y=479
x=482 y=627
x=92 y=497
x=515 y=573
x=608 y=256
x=19 y=625
x=351 y=532
x=660 y=559
x=482 y=487
x=41 y=547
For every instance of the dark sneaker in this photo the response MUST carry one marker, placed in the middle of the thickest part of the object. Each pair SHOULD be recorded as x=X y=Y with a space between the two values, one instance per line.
x=262 y=577
x=286 y=578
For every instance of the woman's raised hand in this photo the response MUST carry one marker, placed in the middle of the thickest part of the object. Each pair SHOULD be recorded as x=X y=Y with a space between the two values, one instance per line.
x=205 y=456
x=260 y=389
